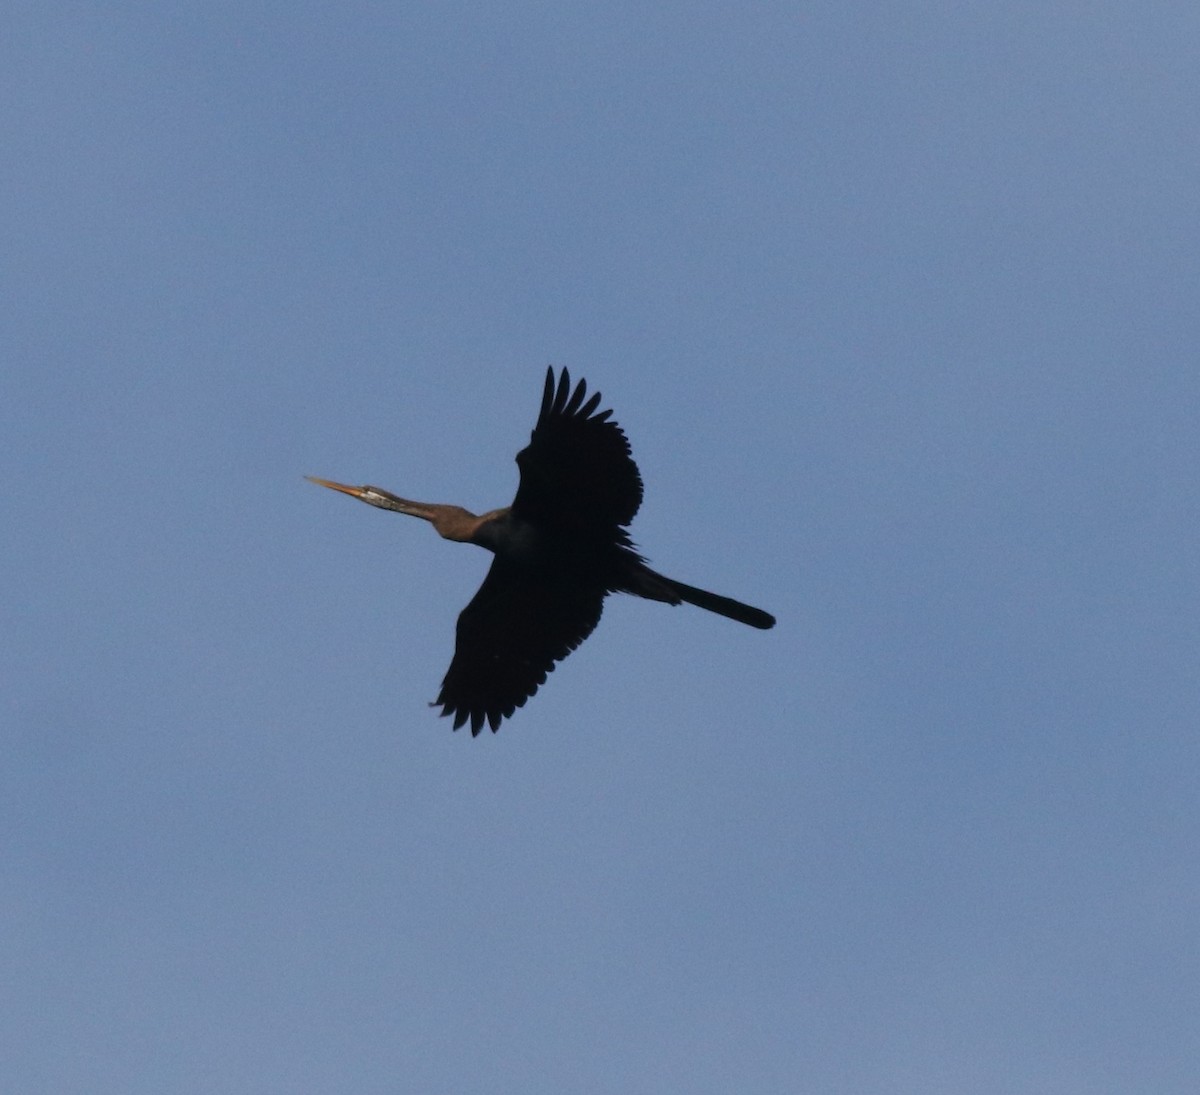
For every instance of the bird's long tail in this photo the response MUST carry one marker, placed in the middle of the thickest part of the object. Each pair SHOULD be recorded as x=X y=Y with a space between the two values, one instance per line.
x=659 y=587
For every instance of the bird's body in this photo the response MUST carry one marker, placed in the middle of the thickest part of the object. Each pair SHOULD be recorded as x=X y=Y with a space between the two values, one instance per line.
x=560 y=549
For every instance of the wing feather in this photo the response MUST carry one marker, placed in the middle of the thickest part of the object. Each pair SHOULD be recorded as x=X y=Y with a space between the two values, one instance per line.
x=517 y=626
x=577 y=472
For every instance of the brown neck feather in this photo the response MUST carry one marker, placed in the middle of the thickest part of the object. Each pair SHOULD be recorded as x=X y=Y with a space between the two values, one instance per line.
x=454 y=522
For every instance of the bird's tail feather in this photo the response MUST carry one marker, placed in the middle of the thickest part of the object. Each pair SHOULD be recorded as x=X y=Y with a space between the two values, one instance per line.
x=661 y=588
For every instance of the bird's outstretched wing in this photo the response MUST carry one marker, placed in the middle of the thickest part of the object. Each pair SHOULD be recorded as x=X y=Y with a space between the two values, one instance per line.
x=577 y=474
x=517 y=626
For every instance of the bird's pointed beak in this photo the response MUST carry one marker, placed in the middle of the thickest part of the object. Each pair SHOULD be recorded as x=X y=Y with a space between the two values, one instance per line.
x=354 y=492
x=376 y=496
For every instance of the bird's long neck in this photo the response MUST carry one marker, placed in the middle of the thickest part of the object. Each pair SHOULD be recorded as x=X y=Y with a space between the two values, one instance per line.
x=456 y=523
x=497 y=530
x=488 y=530
x=450 y=522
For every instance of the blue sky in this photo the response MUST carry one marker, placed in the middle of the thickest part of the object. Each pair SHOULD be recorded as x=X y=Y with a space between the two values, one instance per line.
x=898 y=306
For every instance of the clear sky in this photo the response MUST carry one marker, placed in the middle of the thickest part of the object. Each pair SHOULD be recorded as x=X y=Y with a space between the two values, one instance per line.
x=899 y=305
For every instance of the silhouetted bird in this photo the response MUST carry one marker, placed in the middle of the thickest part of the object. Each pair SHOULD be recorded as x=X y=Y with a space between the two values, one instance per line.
x=560 y=549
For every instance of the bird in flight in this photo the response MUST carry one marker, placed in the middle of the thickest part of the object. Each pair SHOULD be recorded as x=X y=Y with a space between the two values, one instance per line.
x=560 y=549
